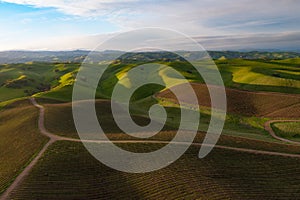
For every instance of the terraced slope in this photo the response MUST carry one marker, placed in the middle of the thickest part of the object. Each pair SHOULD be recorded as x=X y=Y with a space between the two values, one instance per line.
x=20 y=140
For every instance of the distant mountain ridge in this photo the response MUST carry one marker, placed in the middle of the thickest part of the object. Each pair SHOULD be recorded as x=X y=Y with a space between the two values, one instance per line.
x=7 y=57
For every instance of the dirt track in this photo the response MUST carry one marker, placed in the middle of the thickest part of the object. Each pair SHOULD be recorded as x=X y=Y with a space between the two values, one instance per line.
x=53 y=138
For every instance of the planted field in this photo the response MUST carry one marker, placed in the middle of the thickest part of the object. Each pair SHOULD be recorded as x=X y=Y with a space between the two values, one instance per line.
x=59 y=119
x=264 y=143
x=260 y=104
x=20 y=140
x=67 y=171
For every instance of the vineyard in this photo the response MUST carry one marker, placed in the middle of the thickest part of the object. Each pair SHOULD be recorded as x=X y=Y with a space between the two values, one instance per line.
x=260 y=104
x=20 y=140
x=67 y=171
x=247 y=163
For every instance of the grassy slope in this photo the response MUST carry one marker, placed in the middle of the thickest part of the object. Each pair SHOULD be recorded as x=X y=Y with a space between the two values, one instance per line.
x=67 y=171
x=270 y=105
x=261 y=75
x=258 y=105
x=256 y=75
x=289 y=130
x=19 y=80
x=20 y=139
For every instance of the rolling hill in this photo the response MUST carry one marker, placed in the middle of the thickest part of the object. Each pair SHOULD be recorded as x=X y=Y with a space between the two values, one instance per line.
x=247 y=163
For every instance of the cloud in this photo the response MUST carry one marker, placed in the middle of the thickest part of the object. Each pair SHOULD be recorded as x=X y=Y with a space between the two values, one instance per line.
x=208 y=16
x=288 y=41
x=212 y=17
x=83 y=8
x=236 y=23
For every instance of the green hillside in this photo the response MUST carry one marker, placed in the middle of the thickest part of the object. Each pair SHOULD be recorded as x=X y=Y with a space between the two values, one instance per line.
x=289 y=130
x=19 y=80
x=55 y=81
x=67 y=170
x=261 y=75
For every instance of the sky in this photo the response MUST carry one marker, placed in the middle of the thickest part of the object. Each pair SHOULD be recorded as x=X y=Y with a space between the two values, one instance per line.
x=215 y=24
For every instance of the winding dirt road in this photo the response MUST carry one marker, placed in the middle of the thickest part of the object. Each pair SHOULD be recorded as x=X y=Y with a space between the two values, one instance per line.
x=53 y=138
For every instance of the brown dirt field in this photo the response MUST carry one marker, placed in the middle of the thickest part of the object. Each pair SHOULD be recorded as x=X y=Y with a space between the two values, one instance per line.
x=259 y=104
